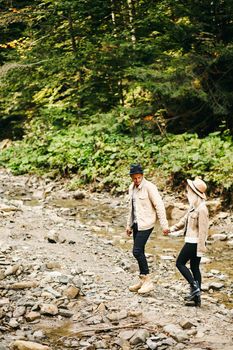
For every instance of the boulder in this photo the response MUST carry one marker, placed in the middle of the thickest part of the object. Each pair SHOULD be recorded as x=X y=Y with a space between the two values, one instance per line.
x=28 y=345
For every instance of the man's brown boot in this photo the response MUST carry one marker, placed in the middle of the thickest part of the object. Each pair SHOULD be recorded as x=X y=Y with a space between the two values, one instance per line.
x=137 y=286
x=147 y=285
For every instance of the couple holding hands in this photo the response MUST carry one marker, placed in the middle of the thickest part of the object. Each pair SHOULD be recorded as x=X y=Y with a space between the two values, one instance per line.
x=145 y=206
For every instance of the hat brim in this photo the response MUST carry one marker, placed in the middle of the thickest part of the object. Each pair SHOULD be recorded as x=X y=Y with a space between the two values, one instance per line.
x=137 y=172
x=200 y=194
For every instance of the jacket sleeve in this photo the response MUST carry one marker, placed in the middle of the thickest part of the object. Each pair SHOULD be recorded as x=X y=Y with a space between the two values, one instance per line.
x=203 y=225
x=158 y=204
x=180 y=224
x=129 y=217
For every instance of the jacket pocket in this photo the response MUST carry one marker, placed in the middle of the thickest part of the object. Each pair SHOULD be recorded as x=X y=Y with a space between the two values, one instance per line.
x=143 y=196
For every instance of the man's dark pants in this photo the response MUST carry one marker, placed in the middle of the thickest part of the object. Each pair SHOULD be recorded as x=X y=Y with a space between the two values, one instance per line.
x=140 y=238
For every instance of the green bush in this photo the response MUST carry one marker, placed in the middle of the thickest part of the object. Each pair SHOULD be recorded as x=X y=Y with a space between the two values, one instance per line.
x=98 y=155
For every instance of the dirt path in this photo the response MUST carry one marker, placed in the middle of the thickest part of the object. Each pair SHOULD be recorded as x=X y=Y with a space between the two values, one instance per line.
x=64 y=285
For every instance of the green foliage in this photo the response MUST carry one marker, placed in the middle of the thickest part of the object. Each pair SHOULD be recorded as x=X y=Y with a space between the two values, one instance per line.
x=98 y=155
x=187 y=155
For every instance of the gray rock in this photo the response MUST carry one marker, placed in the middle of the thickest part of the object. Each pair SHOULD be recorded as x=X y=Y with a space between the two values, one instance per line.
x=19 y=311
x=53 y=292
x=169 y=342
x=126 y=335
x=52 y=236
x=38 y=335
x=230 y=243
x=205 y=260
x=151 y=344
x=101 y=344
x=167 y=257
x=65 y=312
x=14 y=323
x=116 y=316
x=175 y=211
x=186 y=324
x=64 y=279
x=216 y=285
x=49 y=309
x=78 y=195
x=219 y=237
x=139 y=337
x=11 y=270
x=71 y=292
x=123 y=344
x=28 y=345
x=53 y=265
x=161 y=344
x=223 y=215
x=2 y=275
x=205 y=287
x=4 y=301
x=32 y=316
x=23 y=285
x=176 y=332
x=77 y=281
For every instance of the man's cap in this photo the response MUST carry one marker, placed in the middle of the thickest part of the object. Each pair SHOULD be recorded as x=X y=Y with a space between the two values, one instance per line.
x=135 y=169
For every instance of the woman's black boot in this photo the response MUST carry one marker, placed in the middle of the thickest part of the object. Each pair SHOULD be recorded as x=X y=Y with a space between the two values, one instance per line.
x=194 y=291
x=187 y=296
x=197 y=300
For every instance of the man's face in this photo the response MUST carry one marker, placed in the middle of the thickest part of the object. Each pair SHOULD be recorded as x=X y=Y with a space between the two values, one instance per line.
x=137 y=179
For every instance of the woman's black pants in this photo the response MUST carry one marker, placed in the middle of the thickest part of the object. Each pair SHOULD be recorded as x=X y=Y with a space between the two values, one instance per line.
x=189 y=253
x=140 y=238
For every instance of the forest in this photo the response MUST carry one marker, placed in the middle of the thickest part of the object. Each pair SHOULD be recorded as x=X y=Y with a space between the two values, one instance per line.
x=89 y=86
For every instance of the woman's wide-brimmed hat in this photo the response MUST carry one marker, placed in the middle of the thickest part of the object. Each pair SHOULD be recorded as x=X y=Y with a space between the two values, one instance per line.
x=198 y=186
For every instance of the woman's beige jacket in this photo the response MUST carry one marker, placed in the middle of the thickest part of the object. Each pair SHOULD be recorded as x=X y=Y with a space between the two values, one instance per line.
x=195 y=224
x=149 y=205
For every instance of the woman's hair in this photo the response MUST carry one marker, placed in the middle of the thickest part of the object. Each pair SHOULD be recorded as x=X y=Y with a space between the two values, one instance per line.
x=193 y=198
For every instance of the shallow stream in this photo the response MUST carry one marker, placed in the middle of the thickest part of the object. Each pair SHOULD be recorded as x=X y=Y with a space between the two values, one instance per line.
x=108 y=220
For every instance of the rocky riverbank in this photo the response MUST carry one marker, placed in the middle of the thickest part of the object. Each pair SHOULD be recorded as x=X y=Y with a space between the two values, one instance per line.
x=65 y=267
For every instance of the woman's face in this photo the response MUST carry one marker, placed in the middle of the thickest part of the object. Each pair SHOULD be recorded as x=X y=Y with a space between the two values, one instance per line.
x=137 y=179
x=192 y=197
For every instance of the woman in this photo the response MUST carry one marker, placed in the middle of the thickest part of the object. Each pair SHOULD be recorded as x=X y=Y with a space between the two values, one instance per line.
x=195 y=224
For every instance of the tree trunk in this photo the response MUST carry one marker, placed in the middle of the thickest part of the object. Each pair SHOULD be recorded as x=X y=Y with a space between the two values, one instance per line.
x=131 y=10
x=71 y=31
x=113 y=15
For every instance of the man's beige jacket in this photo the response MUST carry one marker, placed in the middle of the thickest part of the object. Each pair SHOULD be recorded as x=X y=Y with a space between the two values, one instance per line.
x=149 y=205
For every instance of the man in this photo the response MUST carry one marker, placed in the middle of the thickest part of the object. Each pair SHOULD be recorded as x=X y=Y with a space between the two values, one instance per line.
x=144 y=207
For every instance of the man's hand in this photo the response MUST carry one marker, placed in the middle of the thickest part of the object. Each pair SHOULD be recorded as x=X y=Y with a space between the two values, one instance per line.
x=128 y=231
x=166 y=231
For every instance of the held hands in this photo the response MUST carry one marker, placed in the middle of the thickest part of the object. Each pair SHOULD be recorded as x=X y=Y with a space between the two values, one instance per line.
x=166 y=231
